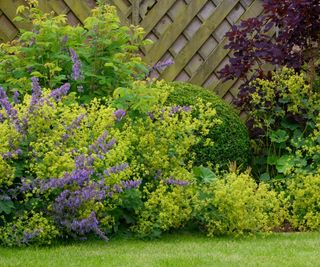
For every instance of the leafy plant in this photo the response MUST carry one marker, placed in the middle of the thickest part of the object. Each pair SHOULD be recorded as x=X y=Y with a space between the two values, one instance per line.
x=303 y=193
x=95 y=58
x=27 y=229
x=296 y=43
x=234 y=204
x=141 y=97
x=167 y=208
x=204 y=175
x=80 y=166
x=282 y=117
x=59 y=155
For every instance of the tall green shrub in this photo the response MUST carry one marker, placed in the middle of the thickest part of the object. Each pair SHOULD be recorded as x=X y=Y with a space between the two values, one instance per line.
x=94 y=58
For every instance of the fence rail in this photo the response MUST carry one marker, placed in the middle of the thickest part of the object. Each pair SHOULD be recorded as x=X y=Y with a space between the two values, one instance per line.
x=189 y=32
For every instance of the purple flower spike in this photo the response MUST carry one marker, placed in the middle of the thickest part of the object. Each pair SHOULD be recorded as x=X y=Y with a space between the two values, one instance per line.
x=116 y=169
x=65 y=40
x=28 y=236
x=173 y=181
x=75 y=124
x=58 y=93
x=25 y=186
x=87 y=225
x=186 y=108
x=130 y=184
x=101 y=145
x=76 y=64
x=120 y=113
x=4 y=102
x=16 y=97
x=10 y=111
x=11 y=154
x=178 y=109
x=36 y=92
x=161 y=65
x=151 y=115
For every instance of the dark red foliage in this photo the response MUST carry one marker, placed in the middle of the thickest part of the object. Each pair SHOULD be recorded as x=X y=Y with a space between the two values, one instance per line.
x=296 y=24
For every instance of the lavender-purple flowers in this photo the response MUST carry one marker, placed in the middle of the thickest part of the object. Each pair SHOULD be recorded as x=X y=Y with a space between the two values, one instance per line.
x=58 y=93
x=87 y=225
x=11 y=154
x=28 y=236
x=173 y=181
x=36 y=92
x=74 y=125
x=76 y=64
x=116 y=169
x=10 y=111
x=120 y=113
x=16 y=97
x=161 y=65
x=101 y=145
x=5 y=104
x=130 y=184
x=178 y=109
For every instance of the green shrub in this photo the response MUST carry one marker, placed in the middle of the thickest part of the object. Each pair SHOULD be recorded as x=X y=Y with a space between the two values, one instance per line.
x=284 y=119
x=230 y=138
x=58 y=152
x=94 y=58
x=80 y=165
x=168 y=207
x=303 y=191
x=235 y=204
x=28 y=229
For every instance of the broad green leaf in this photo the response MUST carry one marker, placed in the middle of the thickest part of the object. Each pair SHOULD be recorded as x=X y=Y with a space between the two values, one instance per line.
x=279 y=136
x=285 y=164
x=272 y=159
x=6 y=206
x=204 y=174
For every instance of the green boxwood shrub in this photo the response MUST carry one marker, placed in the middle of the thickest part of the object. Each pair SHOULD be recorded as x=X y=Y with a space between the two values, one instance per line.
x=230 y=138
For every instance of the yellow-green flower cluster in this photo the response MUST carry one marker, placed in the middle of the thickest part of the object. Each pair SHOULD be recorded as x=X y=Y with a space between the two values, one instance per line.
x=304 y=199
x=286 y=92
x=235 y=204
x=166 y=208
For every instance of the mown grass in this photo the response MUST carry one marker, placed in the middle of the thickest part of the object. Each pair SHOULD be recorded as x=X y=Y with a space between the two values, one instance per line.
x=295 y=249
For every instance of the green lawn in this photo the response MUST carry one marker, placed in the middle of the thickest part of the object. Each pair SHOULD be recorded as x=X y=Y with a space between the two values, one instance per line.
x=299 y=249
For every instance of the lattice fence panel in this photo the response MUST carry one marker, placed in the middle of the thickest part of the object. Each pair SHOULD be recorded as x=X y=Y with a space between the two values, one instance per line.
x=75 y=10
x=190 y=32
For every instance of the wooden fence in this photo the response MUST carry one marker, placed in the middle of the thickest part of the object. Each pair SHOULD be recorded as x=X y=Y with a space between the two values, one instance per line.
x=189 y=32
